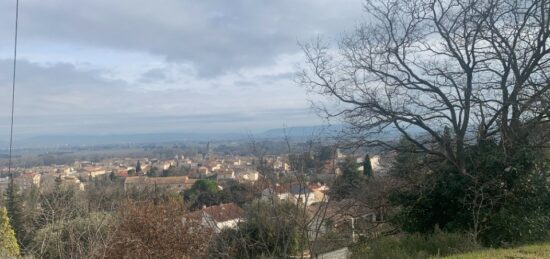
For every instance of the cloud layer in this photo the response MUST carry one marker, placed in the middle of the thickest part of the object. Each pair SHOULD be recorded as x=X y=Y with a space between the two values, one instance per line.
x=147 y=66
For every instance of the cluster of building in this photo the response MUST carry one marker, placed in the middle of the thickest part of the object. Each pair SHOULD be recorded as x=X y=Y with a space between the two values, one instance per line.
x=181 y=173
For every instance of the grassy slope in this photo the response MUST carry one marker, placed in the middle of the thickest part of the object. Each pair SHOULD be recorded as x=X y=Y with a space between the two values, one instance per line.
x=527 y=252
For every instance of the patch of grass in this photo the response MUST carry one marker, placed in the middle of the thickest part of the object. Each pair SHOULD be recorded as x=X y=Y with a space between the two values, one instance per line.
x=538 y=251
x=415 y=246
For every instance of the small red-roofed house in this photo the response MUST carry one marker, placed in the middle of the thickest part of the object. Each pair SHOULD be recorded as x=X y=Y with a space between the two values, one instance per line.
x=218 y=217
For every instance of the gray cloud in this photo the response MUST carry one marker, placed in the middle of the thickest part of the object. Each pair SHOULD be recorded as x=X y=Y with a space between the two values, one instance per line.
x=140 y=66
x=61 y=99
x=215 y=35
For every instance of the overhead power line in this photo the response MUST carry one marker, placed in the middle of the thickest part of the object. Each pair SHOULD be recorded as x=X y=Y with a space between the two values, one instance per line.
x=13 y=87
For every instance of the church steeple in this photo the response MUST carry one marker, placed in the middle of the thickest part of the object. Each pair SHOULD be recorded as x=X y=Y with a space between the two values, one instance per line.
x=208 y=154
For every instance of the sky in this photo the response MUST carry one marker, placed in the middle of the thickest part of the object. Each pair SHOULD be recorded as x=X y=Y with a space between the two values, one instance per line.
x=140 y=66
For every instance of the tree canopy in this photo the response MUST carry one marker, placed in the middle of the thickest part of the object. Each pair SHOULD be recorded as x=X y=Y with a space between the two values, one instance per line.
x=449 y=71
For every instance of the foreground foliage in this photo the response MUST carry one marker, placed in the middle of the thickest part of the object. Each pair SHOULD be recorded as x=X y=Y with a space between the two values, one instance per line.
x=81 y=237
x=148 y=230
x=8 y=242
x=498 y=204
x=271 y=229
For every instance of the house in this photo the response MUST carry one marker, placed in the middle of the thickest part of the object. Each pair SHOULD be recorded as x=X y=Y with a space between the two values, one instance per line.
x=281 y=192
x=175 y=183
x=68 y=171
x=319 y=191
x=218 y=217
x=295 y=193
x=93 y=171
x=339 y=214
x=302 y=194
x=203 y=171
x=71 y=181
x=249 y=176
x=27 y=180
x=342 y=253
x=121 y=173
x=215 y=167
x=167 y=164
x=281 y=165
x=226 y=175
x=82 y=164
x=374 y=161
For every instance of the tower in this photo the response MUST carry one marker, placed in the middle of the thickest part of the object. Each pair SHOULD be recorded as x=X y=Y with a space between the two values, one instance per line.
x=208 y=154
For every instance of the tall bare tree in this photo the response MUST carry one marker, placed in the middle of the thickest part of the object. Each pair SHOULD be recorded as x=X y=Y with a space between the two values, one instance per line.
x=455 y=70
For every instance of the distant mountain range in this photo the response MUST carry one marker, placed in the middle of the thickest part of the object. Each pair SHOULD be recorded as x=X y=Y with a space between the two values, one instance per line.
x=90 y=140
x=294 y=133
x=311 y=131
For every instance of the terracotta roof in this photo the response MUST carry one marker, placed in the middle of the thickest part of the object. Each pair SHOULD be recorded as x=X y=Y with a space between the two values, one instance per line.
x=195 y=215
x=169 y=180
x=92 y=168
x=224 y=212
x=156 y=180
x=135 y=179
x=122 y=173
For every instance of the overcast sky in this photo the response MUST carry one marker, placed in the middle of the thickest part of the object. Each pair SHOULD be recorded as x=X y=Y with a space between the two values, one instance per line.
x=137 y=66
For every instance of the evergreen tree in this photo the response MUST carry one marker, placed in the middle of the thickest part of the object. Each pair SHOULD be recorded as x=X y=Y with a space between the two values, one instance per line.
x=138 y=167
x=152 y=172
x=326 y=153
x=351 y=181
x=367 y=167
x=8 y=242
x=408 y=160
x=31 y=211
x=14 y=208
x=112 y=176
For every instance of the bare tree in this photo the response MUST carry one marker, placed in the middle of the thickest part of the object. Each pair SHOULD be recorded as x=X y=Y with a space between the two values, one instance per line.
x=148 y=230
x=452 y=70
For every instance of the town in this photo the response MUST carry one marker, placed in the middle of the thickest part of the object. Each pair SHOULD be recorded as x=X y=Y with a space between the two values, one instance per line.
x=215 y=190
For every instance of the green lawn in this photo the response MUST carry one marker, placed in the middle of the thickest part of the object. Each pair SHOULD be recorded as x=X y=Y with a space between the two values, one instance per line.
x=524 y=252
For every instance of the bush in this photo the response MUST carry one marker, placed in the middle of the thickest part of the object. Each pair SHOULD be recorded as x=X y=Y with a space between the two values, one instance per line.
x=148 y=230
x=81 y=237
x=415 y=246
x=503 y=200
x=269 y=230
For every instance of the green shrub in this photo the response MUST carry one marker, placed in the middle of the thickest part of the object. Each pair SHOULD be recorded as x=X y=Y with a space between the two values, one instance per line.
x=504 y=199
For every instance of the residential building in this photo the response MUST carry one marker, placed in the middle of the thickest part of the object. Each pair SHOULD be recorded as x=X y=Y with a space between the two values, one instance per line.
x=93 y=171
x=226 y=175
x=249 y=176
x=27 y=180
x=218 y=217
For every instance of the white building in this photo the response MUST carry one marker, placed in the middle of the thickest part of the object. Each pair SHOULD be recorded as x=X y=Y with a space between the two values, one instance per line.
x=226 y=175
